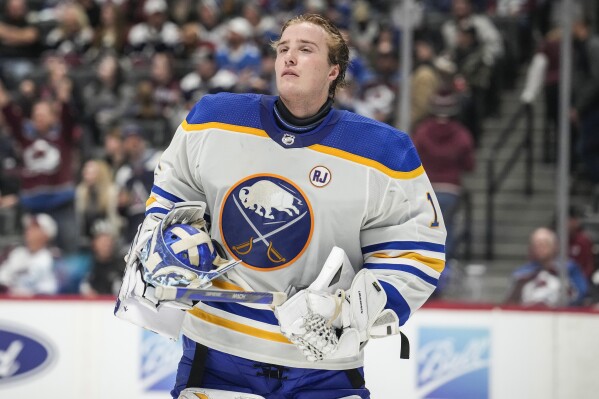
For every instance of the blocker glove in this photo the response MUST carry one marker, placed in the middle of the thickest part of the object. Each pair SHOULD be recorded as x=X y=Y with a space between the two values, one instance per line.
x=337 y=325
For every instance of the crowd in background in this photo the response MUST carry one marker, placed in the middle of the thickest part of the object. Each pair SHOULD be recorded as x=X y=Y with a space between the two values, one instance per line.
x=91 y=92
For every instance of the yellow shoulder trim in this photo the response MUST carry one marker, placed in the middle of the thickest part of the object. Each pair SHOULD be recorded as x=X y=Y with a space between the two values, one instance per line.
x=235 y=326
x=368 y=162
x=189 y=127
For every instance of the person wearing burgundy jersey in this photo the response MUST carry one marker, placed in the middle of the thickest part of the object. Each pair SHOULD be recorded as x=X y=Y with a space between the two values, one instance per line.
x=47 y=140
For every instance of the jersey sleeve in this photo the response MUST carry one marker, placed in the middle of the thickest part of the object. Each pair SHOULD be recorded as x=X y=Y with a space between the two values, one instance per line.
x=403 y=238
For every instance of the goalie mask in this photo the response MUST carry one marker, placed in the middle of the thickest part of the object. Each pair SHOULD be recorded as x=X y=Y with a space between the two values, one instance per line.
x=178 y=255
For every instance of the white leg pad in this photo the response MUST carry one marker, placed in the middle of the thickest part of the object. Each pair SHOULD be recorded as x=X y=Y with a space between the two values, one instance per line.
x=205 y=393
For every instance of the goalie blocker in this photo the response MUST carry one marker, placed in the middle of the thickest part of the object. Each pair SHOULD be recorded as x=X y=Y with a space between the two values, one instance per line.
x=327 y=322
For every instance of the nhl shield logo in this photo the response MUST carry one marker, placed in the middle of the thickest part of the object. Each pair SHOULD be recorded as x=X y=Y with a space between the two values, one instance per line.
x=288 y=139
x=266 y=222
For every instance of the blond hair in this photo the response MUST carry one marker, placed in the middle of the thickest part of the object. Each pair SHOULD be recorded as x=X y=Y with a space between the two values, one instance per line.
x=103 y=186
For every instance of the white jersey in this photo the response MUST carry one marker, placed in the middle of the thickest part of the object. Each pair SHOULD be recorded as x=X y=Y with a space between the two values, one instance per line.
x=29 y=273
x=279 y=202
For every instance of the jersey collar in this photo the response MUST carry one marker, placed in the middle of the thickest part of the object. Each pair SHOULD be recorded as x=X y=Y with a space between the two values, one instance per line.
x=288 y=139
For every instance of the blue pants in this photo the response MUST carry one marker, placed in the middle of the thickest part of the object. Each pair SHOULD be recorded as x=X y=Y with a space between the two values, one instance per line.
x=233 y=373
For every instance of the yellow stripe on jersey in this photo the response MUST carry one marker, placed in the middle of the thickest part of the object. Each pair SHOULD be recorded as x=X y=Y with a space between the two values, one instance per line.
x=235 y=326
x=396 y=174
x=150 y=201
x=434 y=263
x=189 y=127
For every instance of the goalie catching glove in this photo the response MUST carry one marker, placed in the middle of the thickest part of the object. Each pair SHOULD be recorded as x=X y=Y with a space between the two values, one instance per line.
x=326 y=325
x=173 y=250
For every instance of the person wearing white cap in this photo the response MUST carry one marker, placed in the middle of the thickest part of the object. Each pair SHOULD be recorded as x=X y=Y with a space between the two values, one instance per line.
x=28 y=269
x=156 y=33
x=239 y=54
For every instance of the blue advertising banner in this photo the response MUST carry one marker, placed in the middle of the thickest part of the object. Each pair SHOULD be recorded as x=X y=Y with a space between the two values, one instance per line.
x=453 y=363
x=159 y=359
x=23 y=353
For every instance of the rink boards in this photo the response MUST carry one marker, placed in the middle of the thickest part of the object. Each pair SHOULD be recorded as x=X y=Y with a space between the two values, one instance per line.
x=67 y=348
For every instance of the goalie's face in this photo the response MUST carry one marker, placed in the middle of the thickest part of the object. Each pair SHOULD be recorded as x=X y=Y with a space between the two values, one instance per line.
x=302 y=68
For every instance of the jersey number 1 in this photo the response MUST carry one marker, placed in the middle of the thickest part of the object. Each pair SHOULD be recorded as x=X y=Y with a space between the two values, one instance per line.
x=435 y=222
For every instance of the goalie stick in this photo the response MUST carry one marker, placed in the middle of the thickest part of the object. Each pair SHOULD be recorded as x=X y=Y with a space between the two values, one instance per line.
x=166 y=293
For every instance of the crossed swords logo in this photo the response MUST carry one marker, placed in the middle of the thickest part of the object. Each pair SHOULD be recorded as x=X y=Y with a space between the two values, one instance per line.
x=246 y=247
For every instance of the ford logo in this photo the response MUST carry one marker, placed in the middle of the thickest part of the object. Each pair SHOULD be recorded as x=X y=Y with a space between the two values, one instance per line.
x=22 y=354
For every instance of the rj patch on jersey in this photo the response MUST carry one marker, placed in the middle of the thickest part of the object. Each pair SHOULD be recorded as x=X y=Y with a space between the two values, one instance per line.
x=266 y=222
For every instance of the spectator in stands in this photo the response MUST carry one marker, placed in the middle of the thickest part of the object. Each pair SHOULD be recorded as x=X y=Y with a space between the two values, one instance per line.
x=113 y=152
x=28 y=269
x=447 y=152
x=9 y=184
x=549 y=13
x=92 y=10
x=364 y=28
x=485 y=31
x=106 y=97
x=192 y=41
x=180 y=11
x=9 y=174
x=491 y=46
x=19 y=43
x=347 y=95
x=581 y=243
x=358 y=69
x=135 y=178
x=264 y=25
x=585 y=84
x=167 y=92
x=106 y=269
x=544 y=71
x=73 y=36
x=56 y=76
x=26 y=95
x=264 y=83
x=209 y=16
x=96 y=199
x=538 y=282
x=48 y=141
x=110 y=35
x=239 y=55
x=143 y=105
x=543 y=74
x=425 y=81
x=378 y=98
x=9 y=200
x=154 y=34
x=206 y=78
x=476 y=73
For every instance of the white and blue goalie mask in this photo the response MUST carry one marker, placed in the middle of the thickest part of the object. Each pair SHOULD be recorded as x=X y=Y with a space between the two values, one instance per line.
x=179 y=255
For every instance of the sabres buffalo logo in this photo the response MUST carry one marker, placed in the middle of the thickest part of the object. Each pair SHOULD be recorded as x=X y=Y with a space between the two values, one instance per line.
x=266 y=222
